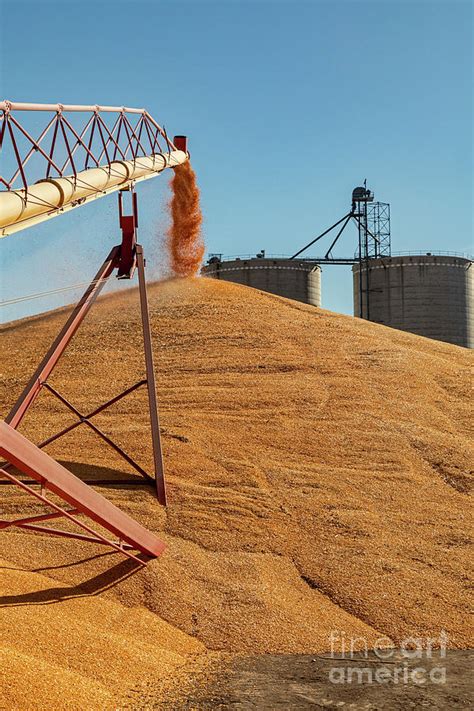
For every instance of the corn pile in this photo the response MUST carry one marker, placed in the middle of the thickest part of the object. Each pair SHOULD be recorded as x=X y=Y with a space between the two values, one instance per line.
x=317 y=479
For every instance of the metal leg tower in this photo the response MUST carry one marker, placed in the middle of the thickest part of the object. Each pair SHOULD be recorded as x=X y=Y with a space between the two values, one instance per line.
x=125 y=258
x=373 y=222
x=373 y=227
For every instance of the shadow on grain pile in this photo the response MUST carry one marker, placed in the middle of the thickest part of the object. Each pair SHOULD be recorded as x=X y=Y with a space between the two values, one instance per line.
x=317 y=471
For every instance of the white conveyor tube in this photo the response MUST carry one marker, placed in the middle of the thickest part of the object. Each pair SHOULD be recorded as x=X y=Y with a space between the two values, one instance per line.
x=52 y=196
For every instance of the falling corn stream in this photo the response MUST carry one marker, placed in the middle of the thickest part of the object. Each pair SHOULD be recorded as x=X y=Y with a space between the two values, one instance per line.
x=185 y=241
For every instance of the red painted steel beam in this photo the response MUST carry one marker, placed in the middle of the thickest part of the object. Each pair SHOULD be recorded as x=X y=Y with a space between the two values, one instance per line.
x=31 y=460
x=80 y=537
x=151 y=384
x=96 y=537
x=60 y=344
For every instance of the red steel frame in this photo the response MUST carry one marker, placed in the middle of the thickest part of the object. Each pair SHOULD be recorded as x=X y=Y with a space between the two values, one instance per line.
x=72 y=150
x=27 y=457
x=125 y=258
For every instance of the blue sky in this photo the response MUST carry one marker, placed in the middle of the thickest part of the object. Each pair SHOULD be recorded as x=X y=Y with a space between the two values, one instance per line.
x=288 y=105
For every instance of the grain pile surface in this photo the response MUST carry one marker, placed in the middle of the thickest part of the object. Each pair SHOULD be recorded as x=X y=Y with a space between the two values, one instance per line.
x=317 y=470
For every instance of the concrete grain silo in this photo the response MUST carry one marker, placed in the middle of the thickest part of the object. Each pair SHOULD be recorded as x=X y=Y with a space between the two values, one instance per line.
x=298 y=280
x=429 y=295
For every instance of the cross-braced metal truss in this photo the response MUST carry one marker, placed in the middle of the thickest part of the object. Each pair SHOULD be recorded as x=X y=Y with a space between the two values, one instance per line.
x=73 y=139
x=39 y=380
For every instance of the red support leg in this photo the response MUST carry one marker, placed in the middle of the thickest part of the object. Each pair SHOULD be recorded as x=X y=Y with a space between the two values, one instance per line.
x=125 y=258
x=48 y=363
x=150 y=379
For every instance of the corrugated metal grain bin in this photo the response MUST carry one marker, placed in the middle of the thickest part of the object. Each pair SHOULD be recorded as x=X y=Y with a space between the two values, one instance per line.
x=296 y=279
x=426 y=294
